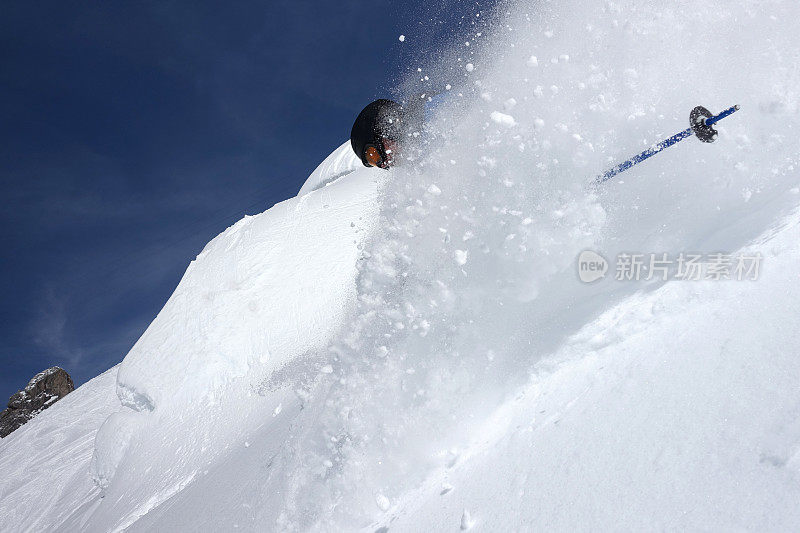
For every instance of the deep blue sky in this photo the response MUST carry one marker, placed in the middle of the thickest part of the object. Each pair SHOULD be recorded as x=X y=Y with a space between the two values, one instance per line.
x=134 y=132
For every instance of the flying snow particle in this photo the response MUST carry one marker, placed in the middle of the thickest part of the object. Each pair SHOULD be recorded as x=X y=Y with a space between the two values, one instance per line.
x=533 y=61
x=434 y=190
x=448 y=87
x=470 y=67
x=382 y=502
x=461 y=257
x=423 y=327
x=466 y=521
x=502 y=118
x=402 y=38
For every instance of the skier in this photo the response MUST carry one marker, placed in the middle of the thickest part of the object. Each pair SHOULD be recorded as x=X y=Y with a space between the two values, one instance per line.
x=381 y=129
x=384 y=129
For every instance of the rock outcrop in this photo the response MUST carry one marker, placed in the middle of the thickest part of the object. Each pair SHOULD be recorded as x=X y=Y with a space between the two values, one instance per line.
x=45 y=389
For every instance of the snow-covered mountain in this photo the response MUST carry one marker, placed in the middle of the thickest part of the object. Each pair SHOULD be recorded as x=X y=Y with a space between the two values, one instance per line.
x=413 y=350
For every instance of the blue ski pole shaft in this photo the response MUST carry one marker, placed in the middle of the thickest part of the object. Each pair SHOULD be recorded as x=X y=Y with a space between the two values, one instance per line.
x=666 y=143
x=650 y=152
x=713 y=120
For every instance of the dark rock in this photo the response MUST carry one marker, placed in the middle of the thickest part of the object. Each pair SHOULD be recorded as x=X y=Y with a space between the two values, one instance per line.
x=45 y=389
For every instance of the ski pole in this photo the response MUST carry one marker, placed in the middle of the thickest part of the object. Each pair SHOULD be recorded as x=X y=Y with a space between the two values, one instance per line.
x=701 y=121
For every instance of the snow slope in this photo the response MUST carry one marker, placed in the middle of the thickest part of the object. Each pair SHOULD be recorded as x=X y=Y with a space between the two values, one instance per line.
x=265 y=296
x=46 y=475
x=674 y=410
x=412 y=349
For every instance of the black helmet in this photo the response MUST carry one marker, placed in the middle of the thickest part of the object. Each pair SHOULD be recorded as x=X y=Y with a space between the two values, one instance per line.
x=382 y=119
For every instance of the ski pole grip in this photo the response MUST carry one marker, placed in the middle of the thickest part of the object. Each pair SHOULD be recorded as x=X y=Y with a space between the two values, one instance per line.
x=728 y=112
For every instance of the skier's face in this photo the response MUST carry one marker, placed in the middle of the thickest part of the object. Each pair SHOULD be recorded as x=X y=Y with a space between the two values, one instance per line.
x=374 y=156
x=383 y=156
